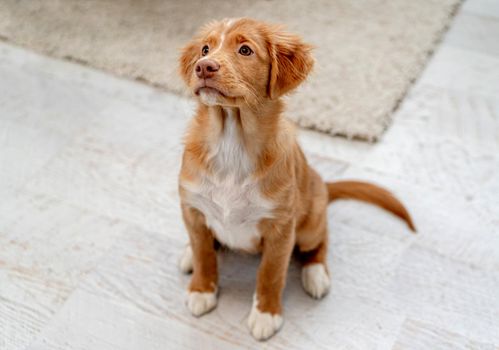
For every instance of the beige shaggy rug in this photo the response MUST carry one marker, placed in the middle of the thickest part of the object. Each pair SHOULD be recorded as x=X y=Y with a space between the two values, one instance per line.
x=368 y=51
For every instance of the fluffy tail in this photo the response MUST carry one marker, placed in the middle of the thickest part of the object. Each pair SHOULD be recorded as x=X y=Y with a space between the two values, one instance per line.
x=370 y=193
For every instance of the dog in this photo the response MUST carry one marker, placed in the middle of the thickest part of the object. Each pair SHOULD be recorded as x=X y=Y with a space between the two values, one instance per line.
x=244 y=182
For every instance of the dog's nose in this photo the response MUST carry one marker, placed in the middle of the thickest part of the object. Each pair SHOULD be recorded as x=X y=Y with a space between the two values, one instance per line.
x=206 y=68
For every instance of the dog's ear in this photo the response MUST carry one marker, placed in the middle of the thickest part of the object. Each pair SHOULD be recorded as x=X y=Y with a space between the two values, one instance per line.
x=290 y=62
x=188 y=58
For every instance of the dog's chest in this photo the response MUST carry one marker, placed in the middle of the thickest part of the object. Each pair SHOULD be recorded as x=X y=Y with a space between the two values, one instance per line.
x=229 y=198
x=232 y=211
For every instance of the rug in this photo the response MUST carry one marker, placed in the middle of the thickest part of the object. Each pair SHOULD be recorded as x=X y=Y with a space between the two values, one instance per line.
x=368 y=51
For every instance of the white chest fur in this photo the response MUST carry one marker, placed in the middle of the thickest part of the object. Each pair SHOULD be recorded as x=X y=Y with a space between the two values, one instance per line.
x=229 y=199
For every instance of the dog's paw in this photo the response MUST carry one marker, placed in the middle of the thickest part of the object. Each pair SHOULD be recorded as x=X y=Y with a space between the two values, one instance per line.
x=200 y=303
x=315 y=280
x=185 y=261
x=263 y=325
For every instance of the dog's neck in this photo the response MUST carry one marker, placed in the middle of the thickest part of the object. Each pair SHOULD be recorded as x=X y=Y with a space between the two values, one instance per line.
x=260 y=132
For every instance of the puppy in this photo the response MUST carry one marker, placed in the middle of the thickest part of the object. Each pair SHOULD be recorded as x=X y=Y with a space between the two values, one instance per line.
x=244 y=182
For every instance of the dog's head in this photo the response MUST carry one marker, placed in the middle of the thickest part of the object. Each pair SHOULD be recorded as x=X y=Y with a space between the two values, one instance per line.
x=238 y=61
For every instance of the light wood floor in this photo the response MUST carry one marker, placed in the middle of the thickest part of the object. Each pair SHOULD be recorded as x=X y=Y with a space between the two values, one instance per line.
x=90 y=229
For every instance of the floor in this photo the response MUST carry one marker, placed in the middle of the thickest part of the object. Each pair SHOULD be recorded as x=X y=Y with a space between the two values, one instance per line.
x=90 y=230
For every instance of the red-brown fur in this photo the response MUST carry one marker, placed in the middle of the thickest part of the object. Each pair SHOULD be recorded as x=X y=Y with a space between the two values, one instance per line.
x=248 y=88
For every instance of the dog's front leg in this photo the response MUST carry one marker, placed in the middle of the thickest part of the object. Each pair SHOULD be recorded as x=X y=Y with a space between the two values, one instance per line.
x=202 y=291
x=266 y=313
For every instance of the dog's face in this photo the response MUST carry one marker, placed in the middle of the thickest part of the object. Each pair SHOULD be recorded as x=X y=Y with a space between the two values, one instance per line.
x=244 y=61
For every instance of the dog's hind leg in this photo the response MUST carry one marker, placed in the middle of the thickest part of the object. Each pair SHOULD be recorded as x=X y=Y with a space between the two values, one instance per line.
x=315 y=275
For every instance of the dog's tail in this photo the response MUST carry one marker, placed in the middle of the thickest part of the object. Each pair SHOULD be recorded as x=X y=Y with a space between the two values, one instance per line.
x=370 y=193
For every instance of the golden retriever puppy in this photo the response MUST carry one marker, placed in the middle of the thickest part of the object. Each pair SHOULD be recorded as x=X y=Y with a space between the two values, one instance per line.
x=244 y=182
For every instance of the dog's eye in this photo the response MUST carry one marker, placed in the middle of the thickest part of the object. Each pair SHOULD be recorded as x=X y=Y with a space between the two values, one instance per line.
x=245 y=50
x=205 y=50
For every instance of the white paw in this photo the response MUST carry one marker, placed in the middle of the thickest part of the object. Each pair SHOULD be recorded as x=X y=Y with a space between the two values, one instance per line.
x=185 y=261
x=200 y=303
x=315 y=280
x=263 y=325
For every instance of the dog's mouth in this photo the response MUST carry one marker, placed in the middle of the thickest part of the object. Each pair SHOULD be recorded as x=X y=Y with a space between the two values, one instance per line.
x=210 y=88
x=211 y=95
